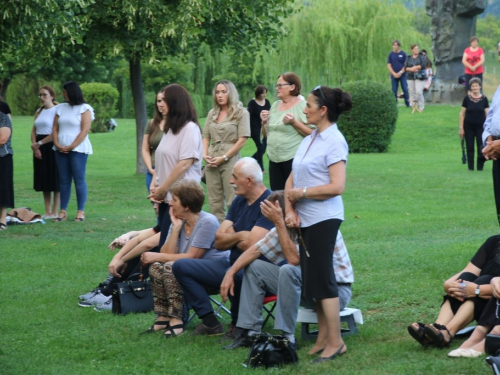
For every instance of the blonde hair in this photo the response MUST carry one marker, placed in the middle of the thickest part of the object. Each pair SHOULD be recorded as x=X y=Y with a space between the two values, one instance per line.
x=235 y=110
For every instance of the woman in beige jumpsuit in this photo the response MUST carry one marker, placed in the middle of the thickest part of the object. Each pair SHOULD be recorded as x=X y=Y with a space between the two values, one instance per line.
x=226 y=130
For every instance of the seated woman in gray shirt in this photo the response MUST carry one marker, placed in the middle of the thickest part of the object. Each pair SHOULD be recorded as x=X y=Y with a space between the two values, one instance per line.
x=191 y=235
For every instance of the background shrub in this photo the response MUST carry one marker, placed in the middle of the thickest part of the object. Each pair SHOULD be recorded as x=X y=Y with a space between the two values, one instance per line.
x=369 y=126
x=103 y=98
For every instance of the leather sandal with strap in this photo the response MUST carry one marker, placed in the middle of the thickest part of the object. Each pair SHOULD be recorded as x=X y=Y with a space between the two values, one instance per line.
x=169 y=332
x=433 y=331
x=62 y=217
x=151 y=329
x=419 y=334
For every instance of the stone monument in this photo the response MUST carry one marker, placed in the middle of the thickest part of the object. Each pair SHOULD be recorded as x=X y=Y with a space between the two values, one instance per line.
x=453 y=22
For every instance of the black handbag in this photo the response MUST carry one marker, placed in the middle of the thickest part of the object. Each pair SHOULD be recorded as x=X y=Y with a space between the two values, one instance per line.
x=492 y=344
x=268 y=351
x=132 y=295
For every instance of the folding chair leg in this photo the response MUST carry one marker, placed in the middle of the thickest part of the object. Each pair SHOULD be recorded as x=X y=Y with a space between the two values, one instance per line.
x=269 y=313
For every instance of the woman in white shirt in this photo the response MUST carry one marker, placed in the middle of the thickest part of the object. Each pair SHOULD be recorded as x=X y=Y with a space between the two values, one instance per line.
x=45 y=174
x=72 y=144
x=314 y=205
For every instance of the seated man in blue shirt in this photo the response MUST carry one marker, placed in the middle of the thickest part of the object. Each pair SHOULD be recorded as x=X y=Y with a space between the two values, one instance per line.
x=244 y=226
x=279 y=245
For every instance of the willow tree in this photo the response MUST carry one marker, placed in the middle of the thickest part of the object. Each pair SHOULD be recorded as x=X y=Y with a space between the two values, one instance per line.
x=334 y=41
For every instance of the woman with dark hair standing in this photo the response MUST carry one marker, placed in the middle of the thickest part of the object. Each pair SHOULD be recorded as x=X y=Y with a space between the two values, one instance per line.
x=472 y=117
x=414 y=64
x=285 y=128
x=226 y=131
x=179 y=153
x=255 y=106
x=71 y=142
x=45 y=174
x=314 y=204
x=6 y=169
x=152 y=138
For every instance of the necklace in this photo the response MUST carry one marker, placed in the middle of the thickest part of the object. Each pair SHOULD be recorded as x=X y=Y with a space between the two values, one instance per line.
x=475 y=100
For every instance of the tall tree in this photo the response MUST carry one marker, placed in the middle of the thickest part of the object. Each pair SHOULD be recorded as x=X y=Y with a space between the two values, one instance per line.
x=147 y=30
x=33 y=30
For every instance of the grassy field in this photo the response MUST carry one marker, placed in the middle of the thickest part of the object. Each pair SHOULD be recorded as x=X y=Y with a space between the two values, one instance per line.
x=414 y=216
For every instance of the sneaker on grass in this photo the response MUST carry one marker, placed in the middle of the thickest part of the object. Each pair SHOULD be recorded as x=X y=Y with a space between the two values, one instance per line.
x=92 y=293
x=96 y=300
x=106 y=306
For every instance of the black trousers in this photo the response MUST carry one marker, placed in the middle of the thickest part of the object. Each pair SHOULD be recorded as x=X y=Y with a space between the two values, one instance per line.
x=260 y=144
x=165 y=222
x=473 y=138
x=496 y=186
x=279 y=173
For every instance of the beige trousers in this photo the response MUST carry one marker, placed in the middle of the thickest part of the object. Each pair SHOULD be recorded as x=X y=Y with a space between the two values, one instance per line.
x=416 y=88
x=219 y=190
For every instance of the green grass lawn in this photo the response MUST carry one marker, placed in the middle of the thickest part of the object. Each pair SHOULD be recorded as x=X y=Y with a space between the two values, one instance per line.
x=414 y=217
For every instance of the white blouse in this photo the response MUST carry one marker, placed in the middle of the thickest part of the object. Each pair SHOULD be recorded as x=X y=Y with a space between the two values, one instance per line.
x=45 y=120
x=70 y=125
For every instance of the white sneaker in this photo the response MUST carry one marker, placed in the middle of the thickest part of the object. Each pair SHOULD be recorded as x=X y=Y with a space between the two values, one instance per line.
x=466 y=353
x=92 y=293
x=106 y=306
x=96 y=300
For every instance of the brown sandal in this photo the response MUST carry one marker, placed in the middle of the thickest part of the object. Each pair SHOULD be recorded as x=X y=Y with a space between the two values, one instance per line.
x=62 y=217
x=80 y=218
x=433 y=331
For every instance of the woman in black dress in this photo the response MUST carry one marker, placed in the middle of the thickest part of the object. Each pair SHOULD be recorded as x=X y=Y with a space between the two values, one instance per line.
x=472 y=116
x=467 y=294
x=255 y=106
x=6 y=169
x=45 y=174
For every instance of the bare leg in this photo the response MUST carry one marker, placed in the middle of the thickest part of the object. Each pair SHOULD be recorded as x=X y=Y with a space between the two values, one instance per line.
x=477 y=336
x=322 y=333
x=46 y=201
x=480 y=345
x=464 y=316
x=3 y=215
x=56 y=202
x=331 y=323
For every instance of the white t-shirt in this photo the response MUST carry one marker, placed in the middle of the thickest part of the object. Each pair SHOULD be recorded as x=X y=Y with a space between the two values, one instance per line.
x=70 y=125
x=45 y=120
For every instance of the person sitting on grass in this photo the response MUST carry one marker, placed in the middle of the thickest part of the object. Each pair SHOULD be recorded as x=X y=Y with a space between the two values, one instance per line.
x=191 y=236
x=467 y=294
x=125 y=263
x=280 y=246
x=489 y=322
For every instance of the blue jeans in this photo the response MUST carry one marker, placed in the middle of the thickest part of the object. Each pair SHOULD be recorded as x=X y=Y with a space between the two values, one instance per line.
x=72 y=166
x=404 y=86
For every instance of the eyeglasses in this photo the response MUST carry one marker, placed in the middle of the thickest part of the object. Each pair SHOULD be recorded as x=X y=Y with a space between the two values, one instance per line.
x=321 y=92
x=280 y=85
x=43 y=95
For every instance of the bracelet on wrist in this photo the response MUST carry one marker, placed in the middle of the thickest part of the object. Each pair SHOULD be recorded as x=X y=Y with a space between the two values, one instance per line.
x=304 y=192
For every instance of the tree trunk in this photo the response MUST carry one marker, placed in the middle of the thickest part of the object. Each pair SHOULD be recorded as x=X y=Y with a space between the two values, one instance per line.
x=4 y=84
x=141 y=115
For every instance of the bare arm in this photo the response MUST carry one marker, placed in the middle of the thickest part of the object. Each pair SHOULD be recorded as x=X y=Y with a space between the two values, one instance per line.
x=219 y=160
x=146 y=153
x=226 y=237
x=461 y=122
x=227 y=285
x=85 y=129
x=480 y=62
x=55 y=132
x=4 y=135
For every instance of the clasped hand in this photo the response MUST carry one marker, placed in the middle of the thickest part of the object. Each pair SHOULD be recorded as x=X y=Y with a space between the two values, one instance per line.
x=213 y=162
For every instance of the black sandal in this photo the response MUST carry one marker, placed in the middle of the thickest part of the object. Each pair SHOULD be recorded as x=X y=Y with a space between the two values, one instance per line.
x=151 y=329
x=433 y=331
x=419 y=334
x=170 y=329
x=3 y=226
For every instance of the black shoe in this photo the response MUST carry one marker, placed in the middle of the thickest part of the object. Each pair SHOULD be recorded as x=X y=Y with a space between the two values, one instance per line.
x=243 y=341
x=494 y=362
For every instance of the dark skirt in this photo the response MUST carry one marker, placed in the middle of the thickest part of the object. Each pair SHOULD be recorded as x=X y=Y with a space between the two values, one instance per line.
x=7 y=181
x=45 y=173
x=316 y=260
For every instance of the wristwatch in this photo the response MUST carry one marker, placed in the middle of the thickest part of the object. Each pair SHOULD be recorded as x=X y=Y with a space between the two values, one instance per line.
x=477 y=291
x=225 y=157
x=40 y=143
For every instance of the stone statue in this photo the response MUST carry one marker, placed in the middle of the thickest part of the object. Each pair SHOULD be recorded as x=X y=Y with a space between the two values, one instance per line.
x=453 y=22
